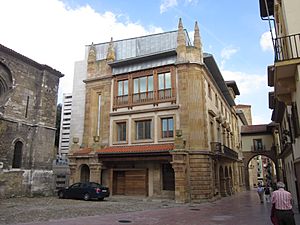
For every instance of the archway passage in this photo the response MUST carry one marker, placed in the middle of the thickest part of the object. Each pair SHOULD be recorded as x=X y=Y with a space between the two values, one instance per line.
x=17 y=158
x=248 y=156
x=261 y=170
x=85 y=173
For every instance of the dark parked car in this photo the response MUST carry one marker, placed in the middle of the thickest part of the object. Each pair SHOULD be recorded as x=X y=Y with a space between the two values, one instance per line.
x=86 y=191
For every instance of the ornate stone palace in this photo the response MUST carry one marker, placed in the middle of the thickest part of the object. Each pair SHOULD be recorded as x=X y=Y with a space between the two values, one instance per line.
x=153 y=116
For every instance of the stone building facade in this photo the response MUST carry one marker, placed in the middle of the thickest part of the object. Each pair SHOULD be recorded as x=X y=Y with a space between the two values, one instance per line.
x=283 y=76
x=28 y=97
x=159 y=120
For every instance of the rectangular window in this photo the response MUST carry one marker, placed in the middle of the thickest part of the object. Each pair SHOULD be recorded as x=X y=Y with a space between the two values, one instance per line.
x=222 y=109
x=143 y=129
x=258 y=144
x=295 y=120
x=122 y=87
x=164 y=86
x=26 y=109
x=164 y=81
x=209 y=91
x=143 y=89
x=98 y=116
x=143 y=84
x=216 y=100
x=167 y=127
x=121 y=131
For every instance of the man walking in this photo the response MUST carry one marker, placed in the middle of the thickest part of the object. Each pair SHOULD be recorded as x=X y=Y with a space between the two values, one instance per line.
x=282 y=201
x=260 y=192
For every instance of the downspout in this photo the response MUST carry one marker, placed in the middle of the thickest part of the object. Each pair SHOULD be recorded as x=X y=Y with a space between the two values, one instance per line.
x=270 y=26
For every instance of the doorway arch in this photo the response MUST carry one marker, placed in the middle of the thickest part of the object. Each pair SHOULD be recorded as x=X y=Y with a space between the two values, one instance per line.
x=17 y=157
x=222 y=181
x=84 y=173
x=260 y=169
x=248 y=156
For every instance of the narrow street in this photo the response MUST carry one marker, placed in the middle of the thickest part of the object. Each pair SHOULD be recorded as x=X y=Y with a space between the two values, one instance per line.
x=243 y=208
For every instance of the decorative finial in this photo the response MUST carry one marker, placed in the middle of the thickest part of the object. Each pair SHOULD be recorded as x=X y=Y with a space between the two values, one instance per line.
x=181 y=43
x=197 y=41
x=92 y=53
x=180 y=24
x=111 y=52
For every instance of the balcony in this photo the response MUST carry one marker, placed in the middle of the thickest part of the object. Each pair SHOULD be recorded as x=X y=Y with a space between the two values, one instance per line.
x=142 y=98
x=258 y=148
x=287 y=48
x=287 y=57
x=223 y=151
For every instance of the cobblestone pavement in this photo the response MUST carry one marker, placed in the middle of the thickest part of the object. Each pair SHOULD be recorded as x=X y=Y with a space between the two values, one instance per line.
x=241 y=209
x=24 y=210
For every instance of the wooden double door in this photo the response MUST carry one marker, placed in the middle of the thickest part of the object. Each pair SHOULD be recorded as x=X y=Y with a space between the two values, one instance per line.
x=130 y=182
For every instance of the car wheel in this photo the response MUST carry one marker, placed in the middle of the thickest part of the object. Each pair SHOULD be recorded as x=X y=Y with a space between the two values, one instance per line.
x=61 y=195
x=101 y=199
x=86 y=196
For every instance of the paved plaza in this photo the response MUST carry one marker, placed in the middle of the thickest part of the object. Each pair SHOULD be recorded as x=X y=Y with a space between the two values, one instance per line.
x=243 y=208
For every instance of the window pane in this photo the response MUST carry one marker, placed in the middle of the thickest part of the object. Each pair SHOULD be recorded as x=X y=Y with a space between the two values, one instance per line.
x=167 y=127
x=150 y=83
x=148 y=129
x=164 y=124
x=143 y=129
x=168 y=80
x=139 y=130
x=136 y=86
x=171 y=127
x=125 y=87
x=121 y=127
x=120 y=88
x=161 y=84
x=143 y=83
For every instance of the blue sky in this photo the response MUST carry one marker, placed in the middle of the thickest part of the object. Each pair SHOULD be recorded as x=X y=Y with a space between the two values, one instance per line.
x=55 y=32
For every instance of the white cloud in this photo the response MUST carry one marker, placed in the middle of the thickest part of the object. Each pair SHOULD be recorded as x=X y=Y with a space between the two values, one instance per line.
x=55 y=34
x=166 y=4
x=227 y=53
x=266 y=41
x=247 y=83
x=254 y=91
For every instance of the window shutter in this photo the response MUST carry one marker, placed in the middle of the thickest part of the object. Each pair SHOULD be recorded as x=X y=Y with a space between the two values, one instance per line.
x=295 y=119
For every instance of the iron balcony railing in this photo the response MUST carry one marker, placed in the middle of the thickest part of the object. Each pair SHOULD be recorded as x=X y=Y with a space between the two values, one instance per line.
x=258 y=148
x=223 y=150
x=287 y=47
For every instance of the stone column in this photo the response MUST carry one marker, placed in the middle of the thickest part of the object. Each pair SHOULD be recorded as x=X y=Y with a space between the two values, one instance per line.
x=73 y=173
x=95 y=172
x=181 y=180
x=179 y=164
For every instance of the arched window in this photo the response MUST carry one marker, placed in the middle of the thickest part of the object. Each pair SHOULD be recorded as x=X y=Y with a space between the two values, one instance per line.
x=5 y=81
x=17 y=159
x=85 y=173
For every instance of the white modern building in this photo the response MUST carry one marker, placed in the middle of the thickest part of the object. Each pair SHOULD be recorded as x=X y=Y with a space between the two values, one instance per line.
x=65 y=123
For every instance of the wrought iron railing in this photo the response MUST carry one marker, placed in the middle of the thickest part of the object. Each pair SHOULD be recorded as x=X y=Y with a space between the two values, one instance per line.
x=143 y=97
x=223 y=150
x=287 y=47
x=258 y=148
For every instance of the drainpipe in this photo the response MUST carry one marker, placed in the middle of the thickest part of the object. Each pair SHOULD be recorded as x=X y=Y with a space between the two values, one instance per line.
x=270 y=26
